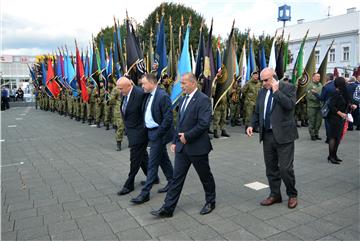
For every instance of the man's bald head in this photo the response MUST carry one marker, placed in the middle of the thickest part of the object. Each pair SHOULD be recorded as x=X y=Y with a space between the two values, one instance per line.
x=124 y=85
x=267 y=76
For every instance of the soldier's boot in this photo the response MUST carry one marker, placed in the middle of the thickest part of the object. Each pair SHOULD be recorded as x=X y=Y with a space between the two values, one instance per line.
x=107 y=127
x=114 y=127
x=118 y=145
x=237 y=122
x=98 y=125
x=65 y=113
x=303 y=123
x=318 y=137
x=224 y=133
x=71 y=116
x=83 y=120
x=210 y=131
x=89 y=121
x=78 y=118
x=232 y=123
x=216 y=135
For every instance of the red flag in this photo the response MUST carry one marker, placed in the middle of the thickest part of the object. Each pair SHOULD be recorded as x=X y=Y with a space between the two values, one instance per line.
x=81 y=76
x=50 y=83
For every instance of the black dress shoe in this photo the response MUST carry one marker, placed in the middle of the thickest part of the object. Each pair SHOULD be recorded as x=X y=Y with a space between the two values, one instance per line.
x=157 y=181
x=162 y=213
x=124 y=191
x=333 y=160
x=337 y=159
x=164 y=189
x=140 y=199
x=208 y=207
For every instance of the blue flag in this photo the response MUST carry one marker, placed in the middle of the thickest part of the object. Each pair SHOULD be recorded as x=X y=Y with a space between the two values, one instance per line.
x=44 y=72
x=184 y=66
x=71 y=74
x=262 y=58
x=160 y=54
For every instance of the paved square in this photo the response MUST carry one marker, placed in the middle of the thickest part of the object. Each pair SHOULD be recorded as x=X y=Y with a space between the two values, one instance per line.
x=59 y=180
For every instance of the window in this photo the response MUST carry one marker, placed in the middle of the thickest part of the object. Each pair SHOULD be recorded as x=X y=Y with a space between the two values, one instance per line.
x=332 y=55
x=346 y=52
x=317 y=56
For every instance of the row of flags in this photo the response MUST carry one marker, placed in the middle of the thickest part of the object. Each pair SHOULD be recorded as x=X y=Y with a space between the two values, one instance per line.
x=98 y=64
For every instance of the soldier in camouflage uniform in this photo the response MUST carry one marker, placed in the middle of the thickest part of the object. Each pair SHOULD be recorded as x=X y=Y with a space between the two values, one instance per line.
x=314 y=106
x=77 y=103
x=234 y=96
x=108 y=109
x=83 y=110
x=91 y=103
x=301 y=113
x=70 y=103
x=115 y=102
x=250 y=93
x=99 y=103
x=219 y=120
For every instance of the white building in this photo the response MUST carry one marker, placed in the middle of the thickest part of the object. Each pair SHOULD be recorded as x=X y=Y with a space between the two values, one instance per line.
x=343 y=29
x=14 y=72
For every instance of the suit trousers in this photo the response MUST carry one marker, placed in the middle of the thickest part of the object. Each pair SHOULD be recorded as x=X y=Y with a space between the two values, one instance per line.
x=279 y=160
x=138 y=159
x=181 y=167
x=158 y=157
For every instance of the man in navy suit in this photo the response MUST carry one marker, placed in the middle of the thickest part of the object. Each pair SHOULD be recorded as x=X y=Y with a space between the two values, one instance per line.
x=131 y=111
x=191 y=145
x=158 y=120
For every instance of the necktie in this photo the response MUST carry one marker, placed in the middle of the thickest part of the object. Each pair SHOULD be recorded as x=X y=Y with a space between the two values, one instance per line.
x=183 y=107
x=268 y=111
x=124 y=104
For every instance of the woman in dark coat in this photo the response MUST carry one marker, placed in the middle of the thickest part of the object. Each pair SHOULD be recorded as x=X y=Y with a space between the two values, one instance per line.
x=340 y=105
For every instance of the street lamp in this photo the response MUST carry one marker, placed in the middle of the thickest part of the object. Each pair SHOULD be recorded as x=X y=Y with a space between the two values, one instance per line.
x=284 y=14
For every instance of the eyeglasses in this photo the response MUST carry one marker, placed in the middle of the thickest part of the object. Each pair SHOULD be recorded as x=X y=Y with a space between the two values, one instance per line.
x=265 y=80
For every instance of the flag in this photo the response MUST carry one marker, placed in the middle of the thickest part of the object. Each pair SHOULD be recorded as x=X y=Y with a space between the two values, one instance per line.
x=252 y=58
x=184 y=66
x=58 y=72
x=279 y=69
x=150 y=54
x=160 y=55
x=272 y=58
x=209 y=65
x=218 y=55
x=171 y=69
x=243 y=66
x=134 y=55
x=71 y=75
x=323 y=66
x=298 y=67
x=102 y=58
x=262 y=57
x=110 y=67
x=307 y=73
x=50 y=82
x=118 y=51
x=95 y=72
x=43 y=73
x=80 y=74
x=228 y=70
x=193 y=62
x=200 y=55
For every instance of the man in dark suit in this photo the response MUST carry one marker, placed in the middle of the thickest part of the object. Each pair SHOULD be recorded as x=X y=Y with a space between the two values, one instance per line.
x=274 y=115
x=191 y=145
x=158 y=120
x=131 y=111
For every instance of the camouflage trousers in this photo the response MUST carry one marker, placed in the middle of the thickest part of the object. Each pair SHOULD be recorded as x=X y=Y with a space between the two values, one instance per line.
x=219 y=117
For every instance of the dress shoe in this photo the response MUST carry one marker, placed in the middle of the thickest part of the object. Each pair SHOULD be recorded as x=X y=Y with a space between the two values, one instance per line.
x=337 y=158
x=157 y=181
x=124 y=191
x=333 y=160
x=216 y=135
x=208 y=207
x=270 y=201
x=162 y=213
x=224 y=133
x=318 y=137
x=292 y=203
x=140 y=199
x=164 y=189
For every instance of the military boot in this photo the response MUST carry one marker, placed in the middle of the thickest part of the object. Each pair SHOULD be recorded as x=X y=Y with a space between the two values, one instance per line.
x=216 y=135
x=224 y=133
x=118 y=145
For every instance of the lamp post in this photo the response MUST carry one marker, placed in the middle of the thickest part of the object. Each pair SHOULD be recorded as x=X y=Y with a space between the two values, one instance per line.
x=284 y=14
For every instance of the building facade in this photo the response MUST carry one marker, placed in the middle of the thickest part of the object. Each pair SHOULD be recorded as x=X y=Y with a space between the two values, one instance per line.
x=343 y=29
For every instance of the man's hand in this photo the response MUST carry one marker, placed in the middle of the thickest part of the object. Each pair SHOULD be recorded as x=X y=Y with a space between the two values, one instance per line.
x=275 y=85
x=249 y=131
x=353 y=107
x=182 y=138
x=173 y=148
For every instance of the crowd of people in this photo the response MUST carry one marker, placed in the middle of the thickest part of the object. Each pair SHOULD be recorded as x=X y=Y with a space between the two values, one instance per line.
x=264 y=105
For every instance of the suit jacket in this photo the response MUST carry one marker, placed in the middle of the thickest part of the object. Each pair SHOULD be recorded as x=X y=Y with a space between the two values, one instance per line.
x=133 y=117
x=162 y=114
x=195 y=123
x=282 y=113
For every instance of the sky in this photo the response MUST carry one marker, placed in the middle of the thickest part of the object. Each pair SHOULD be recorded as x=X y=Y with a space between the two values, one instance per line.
x=32 y=27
